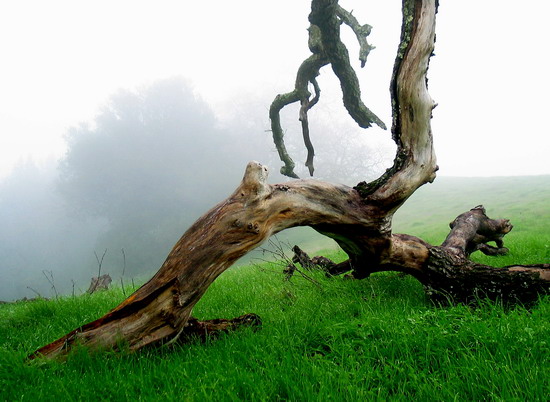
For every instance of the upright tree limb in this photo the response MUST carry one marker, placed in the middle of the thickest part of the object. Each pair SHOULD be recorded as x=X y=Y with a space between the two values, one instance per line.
x=415 y=161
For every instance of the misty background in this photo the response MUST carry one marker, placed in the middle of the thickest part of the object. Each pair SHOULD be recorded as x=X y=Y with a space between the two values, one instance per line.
x=133 y=179
x=122 y=122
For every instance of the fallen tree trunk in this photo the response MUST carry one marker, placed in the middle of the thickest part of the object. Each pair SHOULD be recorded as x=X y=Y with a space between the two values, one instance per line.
x=358 y=218
x=446 y=272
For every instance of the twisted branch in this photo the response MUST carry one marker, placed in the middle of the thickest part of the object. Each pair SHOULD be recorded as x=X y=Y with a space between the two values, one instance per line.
x=324 y=14
x=307 y=73
x=361 y=33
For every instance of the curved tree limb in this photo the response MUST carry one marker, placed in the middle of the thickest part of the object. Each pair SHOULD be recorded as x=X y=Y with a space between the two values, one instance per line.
x=415 y=162
x=159 y=311
x=306 y=73
x=472 y=230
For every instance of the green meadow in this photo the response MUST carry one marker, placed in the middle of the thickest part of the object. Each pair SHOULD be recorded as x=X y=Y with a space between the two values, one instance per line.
x=322 y=338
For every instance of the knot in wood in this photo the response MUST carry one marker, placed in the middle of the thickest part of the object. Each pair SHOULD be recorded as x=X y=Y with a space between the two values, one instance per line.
x=282 y=187
x=253 y=227
x=168 y=317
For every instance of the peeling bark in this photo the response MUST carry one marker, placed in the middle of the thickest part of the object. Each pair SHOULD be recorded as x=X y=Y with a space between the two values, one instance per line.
x=158 y=312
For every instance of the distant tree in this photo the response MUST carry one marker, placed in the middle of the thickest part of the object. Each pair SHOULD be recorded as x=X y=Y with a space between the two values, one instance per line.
x=142 y=165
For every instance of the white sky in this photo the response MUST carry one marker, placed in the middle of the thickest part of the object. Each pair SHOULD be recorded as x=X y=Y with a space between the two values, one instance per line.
x=61 y=60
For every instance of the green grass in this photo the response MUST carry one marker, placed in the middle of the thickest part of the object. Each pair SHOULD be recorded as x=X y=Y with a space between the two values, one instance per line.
x=374 y=339
x=341 y=340
x=523 y=200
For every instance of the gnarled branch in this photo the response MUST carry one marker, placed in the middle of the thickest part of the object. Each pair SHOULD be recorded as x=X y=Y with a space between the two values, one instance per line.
x=361 y=32
x=324 y=14
x=308 y=72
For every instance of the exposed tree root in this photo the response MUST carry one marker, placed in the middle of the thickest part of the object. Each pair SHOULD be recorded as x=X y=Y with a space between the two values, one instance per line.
x=208 y=329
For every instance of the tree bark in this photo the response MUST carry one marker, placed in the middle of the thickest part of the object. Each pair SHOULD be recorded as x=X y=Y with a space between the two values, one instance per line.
x=359 y=218
x=99 y=283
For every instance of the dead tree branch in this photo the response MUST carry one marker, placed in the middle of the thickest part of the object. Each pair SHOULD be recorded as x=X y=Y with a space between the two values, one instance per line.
x=358 y=219
x=325 y=15
x=307 y=73
x=338 y=57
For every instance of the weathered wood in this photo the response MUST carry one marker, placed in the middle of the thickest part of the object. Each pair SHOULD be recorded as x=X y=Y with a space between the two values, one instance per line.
x=158 y=311
x=99 y=283
x=209 y=329
x=358 y=219
x=472 y=230
x=193 y=329
x=415 y=162
x=451 y=279
x=302 y=258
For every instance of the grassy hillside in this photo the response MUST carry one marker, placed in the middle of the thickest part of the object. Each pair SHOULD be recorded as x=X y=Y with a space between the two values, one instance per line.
x=523 y=200
x=334 y=339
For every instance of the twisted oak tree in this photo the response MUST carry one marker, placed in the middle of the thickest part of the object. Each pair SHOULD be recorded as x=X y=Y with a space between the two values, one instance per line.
x=358 y=218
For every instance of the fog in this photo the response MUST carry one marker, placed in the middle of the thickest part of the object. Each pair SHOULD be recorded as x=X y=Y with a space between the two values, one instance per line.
x=132 y=180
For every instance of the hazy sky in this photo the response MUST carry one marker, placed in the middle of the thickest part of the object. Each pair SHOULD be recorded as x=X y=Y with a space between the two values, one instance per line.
x=62 y=59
